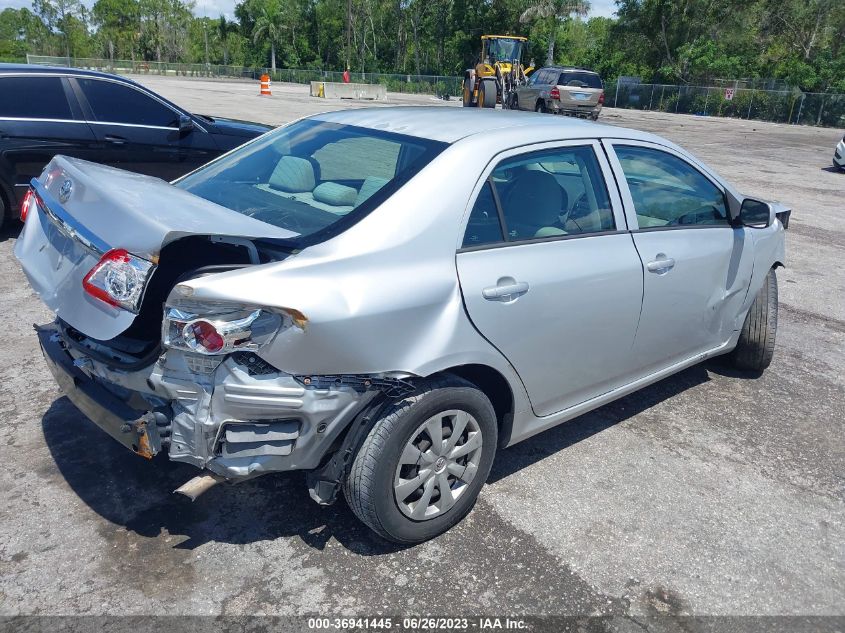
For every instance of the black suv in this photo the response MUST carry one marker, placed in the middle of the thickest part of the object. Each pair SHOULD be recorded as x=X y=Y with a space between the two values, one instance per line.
x=102 y=118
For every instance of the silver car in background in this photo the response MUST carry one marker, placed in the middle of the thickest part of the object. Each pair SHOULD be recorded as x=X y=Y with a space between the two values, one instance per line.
x=385 y=297
x=561 y=90
x=839 y=155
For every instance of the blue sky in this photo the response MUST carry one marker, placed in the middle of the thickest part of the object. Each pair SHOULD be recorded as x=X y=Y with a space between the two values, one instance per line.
x=214 y=8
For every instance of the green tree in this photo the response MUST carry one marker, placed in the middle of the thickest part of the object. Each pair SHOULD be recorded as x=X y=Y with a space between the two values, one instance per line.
x=554 y=12
x=269 y=26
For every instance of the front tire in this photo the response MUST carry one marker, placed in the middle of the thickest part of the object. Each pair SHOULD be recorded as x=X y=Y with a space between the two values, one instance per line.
x=422 y=465
x=756 y=345
x=487 y=93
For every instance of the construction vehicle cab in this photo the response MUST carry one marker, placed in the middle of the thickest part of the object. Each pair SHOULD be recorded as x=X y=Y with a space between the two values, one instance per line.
x=498 y=72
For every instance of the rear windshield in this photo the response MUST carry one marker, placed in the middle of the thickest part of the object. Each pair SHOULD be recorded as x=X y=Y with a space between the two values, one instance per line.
x=311 y=177
x=579 y=80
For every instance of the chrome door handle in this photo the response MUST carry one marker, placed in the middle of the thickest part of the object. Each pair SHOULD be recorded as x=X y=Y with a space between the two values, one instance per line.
x=115 y=140
x=506 y=292
x=661 y=264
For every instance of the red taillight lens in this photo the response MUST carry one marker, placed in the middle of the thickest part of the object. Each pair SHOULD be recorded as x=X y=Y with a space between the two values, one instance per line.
x=119 y=279
x=28 y=199
x=601 y=99
x=203 y=337
x=554 y=93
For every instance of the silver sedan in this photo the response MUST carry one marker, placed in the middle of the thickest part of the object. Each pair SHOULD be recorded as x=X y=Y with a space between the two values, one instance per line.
x=385 y=297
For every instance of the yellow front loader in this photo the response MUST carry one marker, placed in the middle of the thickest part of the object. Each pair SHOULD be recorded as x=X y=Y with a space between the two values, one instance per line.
x=498 y=72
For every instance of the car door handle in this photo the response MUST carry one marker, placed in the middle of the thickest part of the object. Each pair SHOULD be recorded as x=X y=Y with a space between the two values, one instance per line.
x=505 y=292
x=661 y=264
x=115 y=140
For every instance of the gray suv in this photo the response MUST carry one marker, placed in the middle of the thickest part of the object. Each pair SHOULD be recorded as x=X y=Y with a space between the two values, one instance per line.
x=561 y=90
x=385 y=297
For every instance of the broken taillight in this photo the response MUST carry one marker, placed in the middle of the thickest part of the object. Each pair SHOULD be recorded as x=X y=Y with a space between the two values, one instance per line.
x=119 y=279
x=218 y=329
x=203 y=336
x=28 y=200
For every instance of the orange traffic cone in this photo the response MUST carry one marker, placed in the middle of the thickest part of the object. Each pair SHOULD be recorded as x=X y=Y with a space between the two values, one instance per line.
x=265 y=86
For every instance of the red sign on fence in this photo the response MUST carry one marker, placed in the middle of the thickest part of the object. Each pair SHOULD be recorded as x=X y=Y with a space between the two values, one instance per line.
x=729 y=94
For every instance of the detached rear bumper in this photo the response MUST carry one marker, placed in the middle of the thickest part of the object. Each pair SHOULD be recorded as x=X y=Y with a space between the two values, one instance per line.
x=128 y=426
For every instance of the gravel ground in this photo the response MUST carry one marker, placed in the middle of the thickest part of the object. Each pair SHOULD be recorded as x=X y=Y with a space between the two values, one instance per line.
x=708 y=493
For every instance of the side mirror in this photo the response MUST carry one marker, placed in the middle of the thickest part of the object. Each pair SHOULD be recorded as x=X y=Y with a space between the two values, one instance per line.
x=186 y=124
x=756 y=214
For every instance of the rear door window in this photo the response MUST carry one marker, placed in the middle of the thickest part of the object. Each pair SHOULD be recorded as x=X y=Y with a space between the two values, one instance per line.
x=112 y=102
x=33 y=98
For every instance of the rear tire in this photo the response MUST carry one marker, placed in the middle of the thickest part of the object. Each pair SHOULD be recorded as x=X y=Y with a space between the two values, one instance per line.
x=487 y=93
x=540 y=106
x=3 y=213
x=466 y=95
x=380 y=487
x=756 y=345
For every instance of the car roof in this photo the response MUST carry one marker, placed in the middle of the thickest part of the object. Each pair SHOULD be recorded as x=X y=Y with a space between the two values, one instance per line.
x=569 y=69
x=451 y=124
x=36 y=69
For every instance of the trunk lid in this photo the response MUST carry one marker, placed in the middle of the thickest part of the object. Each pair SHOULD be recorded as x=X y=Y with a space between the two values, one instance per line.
x=85 y=209
x=578 y=97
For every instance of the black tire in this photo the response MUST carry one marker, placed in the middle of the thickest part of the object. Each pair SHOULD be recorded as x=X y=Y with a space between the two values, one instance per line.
x=594 y=117
x=3 y=212
x=540 y=106
x=466 y=95
x=369 y=487
x=756 y=344
x=487 y=93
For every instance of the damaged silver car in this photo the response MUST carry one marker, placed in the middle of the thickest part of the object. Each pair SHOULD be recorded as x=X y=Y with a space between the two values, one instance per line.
x=385 y=297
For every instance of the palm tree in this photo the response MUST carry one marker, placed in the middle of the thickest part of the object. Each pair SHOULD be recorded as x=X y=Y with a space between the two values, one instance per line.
x=269 y=24
x=223 y=30
x=554 y=11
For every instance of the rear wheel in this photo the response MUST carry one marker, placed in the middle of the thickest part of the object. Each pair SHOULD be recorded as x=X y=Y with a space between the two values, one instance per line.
x=3 y=212
x=487 y=93
x=540 y=106
x=756 y=345
x=422 y=465
x=467 y=94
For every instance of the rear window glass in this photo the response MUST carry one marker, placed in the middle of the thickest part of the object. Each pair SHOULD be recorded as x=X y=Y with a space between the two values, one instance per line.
x=312 y=177
x=33 y=98
x=579 y=80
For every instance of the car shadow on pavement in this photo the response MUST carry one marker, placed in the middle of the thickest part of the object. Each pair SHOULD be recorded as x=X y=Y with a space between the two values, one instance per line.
x=137 y=494
x=11 y=229
x=558 y=438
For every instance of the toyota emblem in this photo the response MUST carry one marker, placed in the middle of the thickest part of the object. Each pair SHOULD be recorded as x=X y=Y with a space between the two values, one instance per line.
x=65 y=191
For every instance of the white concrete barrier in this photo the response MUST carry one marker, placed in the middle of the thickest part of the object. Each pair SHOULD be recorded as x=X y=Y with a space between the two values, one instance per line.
x=335 y=90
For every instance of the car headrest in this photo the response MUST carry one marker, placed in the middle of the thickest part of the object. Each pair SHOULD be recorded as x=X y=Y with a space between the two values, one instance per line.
x=370 y=185
x=335 y=194
x=292 y=174
x=534 y=198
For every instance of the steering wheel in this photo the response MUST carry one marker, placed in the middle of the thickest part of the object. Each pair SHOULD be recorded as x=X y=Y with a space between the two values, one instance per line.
x=692 y=216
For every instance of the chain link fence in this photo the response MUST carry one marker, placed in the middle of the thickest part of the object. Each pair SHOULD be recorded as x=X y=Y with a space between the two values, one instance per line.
x=410 y=84
x=778 y=106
